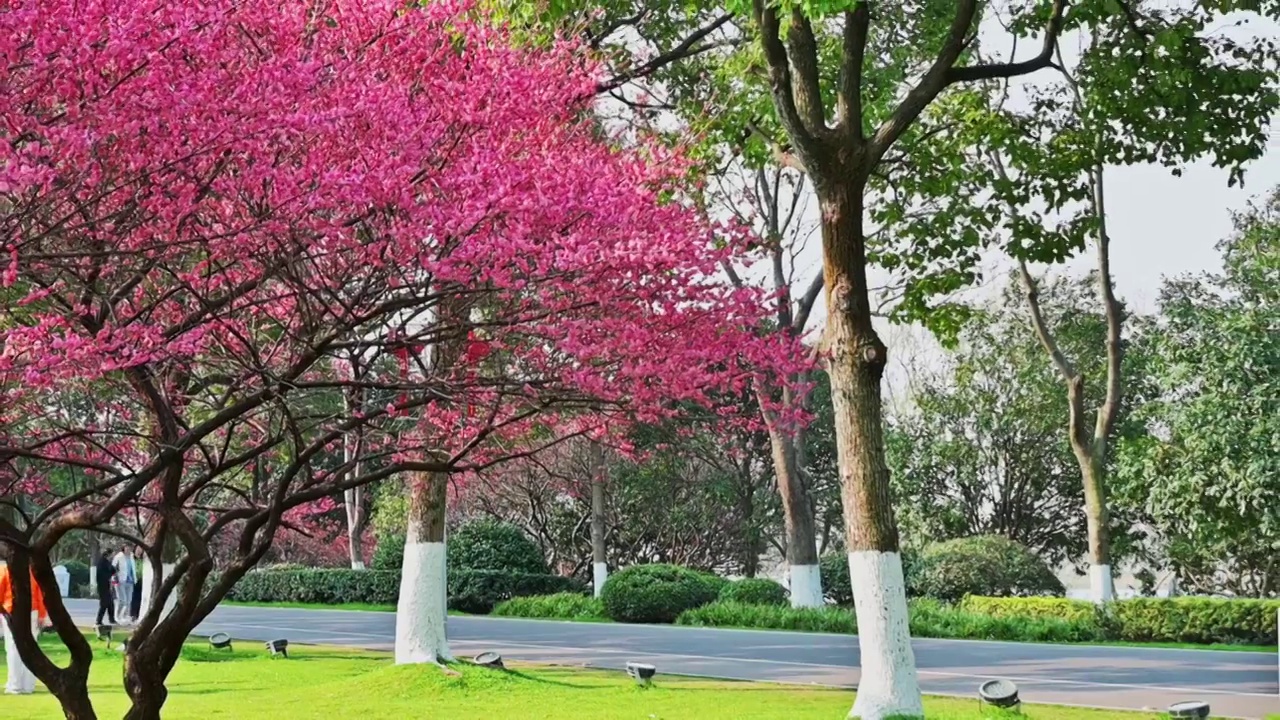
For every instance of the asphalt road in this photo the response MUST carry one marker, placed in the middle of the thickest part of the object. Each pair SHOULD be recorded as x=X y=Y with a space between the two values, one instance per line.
x=1236 y=684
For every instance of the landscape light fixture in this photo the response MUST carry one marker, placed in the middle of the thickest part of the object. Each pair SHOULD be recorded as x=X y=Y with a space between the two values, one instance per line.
x=490 y=660
x=1189 y=709
x=104 y=633
x=279 y=647
x=998 y=693
x=220 y=640
x=642 y=673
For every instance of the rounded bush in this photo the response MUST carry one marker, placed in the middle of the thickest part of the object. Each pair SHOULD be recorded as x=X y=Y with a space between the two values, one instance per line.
x=754 y=591
x=987 y=565
x=389 y=554
x=494 y=545
x=78 y=573
x=834 y=569
x=655 y=593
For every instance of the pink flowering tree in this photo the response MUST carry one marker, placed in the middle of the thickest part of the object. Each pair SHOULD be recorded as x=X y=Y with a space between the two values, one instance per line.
x=205 y=209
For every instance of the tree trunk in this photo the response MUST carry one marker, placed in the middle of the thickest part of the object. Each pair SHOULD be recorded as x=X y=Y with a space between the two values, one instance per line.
x=797 y=512
x=599 y=557
x=422 y=608
x=144 y=683
x=1097 y=522
x=95 y=549
x=889 y=686
x=353 y=499
x=151 y=580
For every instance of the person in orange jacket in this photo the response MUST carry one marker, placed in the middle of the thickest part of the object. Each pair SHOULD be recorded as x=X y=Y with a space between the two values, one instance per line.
x=21 y=680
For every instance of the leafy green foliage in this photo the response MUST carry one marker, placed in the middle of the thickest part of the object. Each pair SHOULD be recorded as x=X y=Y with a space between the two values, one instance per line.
x=655 y=593
x=983 y=451
x=561 y=606
x=389 y=553
x=1032 y=607
x=1209 y=479
x=754 y=591
x=770 y=617
x=982 y=565
x=493 y=545
x=474 y=591
x=834 y=570
x=1177 y=620
x=477 y=545
x=930 y=618
x=79 y=575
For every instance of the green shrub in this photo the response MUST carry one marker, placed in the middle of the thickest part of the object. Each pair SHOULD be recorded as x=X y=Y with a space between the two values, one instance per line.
x=494 y=545
x=1032 y=607
x=389 y=553
x=834 y=568
x=754 y=591
x=474 y=591
x=770 y=617
x=988 y=565
x=1176 y=620
x=561 y=606
x=479 y=591
x=656 y=593
x=79 y=576
x=931 y=618
x=1195 y=620
x=714 y=581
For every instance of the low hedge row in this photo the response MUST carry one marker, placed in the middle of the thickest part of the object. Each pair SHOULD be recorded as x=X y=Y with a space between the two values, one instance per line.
x=561 y=606
x=1193 y=620
x=473 y=591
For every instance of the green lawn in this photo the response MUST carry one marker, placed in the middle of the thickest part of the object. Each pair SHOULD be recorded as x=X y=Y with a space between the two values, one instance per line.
x=324 y=683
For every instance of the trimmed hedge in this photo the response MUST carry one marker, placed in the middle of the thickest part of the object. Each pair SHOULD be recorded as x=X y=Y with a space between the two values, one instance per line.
x=473 y=591
x=934 y=619
x=988 y=565
x=1201 y=621
x=754 y=591
x=656 y=593
x=771 y=617
x=561 y=606
x=1032 y=607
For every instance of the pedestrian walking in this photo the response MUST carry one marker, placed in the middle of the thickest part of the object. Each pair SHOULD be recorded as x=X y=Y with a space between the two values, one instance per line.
x=126 y=577
x=135 y=603
x=21 y=681
x=106 y=574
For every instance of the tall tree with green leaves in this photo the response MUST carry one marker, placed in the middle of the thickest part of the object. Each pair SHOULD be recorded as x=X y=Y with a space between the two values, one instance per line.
x=1209 y=474
x=880 y=105
x=1152 y=85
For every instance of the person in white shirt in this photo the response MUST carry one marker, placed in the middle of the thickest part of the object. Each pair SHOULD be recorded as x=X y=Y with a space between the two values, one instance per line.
x=126 y=576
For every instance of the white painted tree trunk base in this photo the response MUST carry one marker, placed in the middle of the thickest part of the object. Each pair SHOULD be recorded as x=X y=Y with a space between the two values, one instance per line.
x=889 y=686
x=421 y=611
x=599 y=574
x=357 y=565
x=806 y=586
x=149 y=582
x=1102 y=586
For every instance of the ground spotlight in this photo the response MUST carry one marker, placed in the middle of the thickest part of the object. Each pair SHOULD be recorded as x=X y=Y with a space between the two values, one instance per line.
x=279 y=647
x=104 y=632
x=220 y=640
x=642 y=673
x=489 y=660
x=998 y=693
x=1189 y=709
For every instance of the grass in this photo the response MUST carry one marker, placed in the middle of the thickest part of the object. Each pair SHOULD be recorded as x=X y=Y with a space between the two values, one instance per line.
x=322 y=683
x=561 y=606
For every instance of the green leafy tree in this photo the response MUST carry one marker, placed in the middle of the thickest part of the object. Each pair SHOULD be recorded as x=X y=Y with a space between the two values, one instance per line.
x=879 y=105
x=981 y=452
x=1209 y=475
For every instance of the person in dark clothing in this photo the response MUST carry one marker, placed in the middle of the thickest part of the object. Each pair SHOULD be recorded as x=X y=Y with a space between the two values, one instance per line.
x=105 y=571
x=135 y=603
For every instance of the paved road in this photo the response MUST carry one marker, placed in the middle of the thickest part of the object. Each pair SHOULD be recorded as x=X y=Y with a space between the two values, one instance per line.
x=1236 y=684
